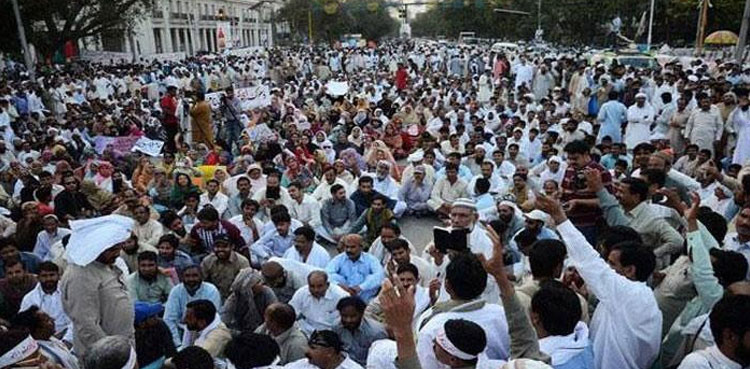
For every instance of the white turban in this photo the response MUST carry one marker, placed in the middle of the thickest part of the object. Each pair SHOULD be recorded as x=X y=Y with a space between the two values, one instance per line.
x=90 y=237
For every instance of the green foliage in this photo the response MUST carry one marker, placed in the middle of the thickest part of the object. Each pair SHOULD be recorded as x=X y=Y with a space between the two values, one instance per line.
x=352 y=16
x=49 y=24
x=576 y=22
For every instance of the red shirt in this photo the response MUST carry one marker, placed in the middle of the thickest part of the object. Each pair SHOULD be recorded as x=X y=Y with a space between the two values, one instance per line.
x=401 y=78
x=574 y=188
x=169 y=108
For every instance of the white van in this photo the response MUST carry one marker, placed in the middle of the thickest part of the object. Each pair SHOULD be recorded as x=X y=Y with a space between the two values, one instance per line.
x=500 y=47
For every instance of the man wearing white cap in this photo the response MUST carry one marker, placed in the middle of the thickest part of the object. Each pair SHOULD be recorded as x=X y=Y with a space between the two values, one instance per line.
x=640 y=117
x=387 y=186
x=415 y=159
x=94 y=293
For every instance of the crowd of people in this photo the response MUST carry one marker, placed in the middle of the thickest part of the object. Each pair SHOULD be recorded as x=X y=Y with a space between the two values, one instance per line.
x=605 y=211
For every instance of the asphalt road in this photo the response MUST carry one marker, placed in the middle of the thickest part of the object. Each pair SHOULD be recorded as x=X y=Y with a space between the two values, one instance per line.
x=418 y=230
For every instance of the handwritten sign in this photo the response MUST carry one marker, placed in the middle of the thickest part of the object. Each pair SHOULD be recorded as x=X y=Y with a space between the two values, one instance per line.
x=335 y=88
x=250 y=97
x=148 y=146
x=118 y=144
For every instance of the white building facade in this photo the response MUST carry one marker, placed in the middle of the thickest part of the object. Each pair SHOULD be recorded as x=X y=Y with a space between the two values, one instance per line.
x=192 y=26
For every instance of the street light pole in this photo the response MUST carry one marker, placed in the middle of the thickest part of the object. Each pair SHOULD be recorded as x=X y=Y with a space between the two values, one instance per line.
x=22 y=37
x=650 y=26
x=739 y=53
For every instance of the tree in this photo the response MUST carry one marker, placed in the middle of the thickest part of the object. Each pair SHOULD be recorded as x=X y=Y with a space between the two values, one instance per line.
x=331 y=19
x=50 y=24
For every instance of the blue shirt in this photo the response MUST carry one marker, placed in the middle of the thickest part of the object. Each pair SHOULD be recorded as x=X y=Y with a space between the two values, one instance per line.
x=463 y=172
x=485 y=201
x=30 y=263
x=174 y=309
x=366 y=273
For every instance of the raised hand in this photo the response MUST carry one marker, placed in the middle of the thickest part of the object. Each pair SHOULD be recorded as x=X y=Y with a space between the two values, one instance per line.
x=593 y=179
x=550 y=206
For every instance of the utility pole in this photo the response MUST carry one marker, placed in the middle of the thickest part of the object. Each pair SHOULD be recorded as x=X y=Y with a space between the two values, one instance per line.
x=650 y=26
x=22 y=37
x=702 y=19
x=739 y=53
x=539 y=14
x=310 y=24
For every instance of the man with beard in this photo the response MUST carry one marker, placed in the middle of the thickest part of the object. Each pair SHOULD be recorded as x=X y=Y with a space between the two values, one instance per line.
x=739 y=241
x=356 y=331
x=236 y=201
x=205 y=328
x=46 y=296
x=192 y=288
x=387 y=186
x=272 y=194
x=487 y=171
x=740 y=121
x=146 y=229
x=94 y=293
x=338 y=213
x=148 y=284
x=474 y=162
x=16 y=284
x=730 y=327
x=222 y=266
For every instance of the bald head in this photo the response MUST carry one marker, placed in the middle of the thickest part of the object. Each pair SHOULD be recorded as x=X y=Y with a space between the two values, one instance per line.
x=271 y=269
x=739 y=288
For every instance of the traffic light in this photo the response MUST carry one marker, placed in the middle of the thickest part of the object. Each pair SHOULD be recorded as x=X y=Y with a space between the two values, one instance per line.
x=402 y=12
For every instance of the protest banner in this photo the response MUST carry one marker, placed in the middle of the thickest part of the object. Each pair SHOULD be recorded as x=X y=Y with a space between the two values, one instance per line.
x=118 y=144
x=148 y=146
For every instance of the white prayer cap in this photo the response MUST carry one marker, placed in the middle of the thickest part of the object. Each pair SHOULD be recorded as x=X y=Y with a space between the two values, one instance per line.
x=693 y=78
x=479 y=147
x=554 y=158
x=641 y=95
x=384 y=163
x=536 y=215
x=416 y=156
x=90 y=237
x=465 y=203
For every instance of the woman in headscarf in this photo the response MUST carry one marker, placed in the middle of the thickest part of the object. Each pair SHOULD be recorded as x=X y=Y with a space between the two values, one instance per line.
x=356 y=138
x=342 y=172
x=353 y=161
x=555 y=170
x=103 y=177
x=379 y=151
x=159 y=189
x=298 y=173
x=394 y=141
x=522 y=192
x=183 y=185
x=142 y=174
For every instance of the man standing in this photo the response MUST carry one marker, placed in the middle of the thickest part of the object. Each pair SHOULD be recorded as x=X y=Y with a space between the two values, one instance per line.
x=169 y=120
x=231 y=110
x=148 y=284
x=739 y=119
x=94 y=293
x=705 y=127
x=356 y=271
x=581 y=202
x=191 y=289
x=611 y=116
x=640 y=117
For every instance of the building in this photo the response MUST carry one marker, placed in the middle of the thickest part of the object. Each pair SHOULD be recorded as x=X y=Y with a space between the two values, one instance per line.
x=192 y=26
